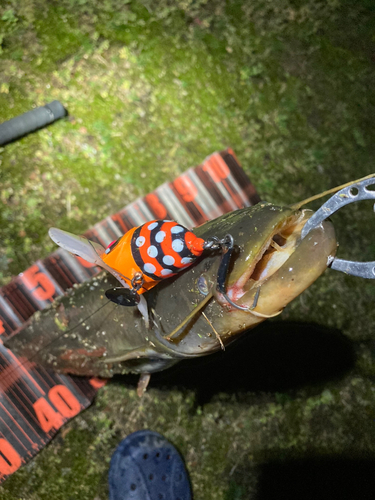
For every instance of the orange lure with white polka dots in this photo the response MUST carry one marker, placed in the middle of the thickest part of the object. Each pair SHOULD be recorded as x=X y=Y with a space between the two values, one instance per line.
x=156 y=250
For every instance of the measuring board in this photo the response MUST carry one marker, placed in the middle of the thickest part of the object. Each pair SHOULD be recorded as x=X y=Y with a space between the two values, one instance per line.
x=35 y=402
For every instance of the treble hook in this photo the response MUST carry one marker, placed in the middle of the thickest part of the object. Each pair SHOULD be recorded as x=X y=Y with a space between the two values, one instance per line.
x=126 y=296
x=350 y=194
x=227 y=245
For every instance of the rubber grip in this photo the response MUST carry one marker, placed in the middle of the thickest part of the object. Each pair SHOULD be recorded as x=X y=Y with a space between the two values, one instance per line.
x=29 y=122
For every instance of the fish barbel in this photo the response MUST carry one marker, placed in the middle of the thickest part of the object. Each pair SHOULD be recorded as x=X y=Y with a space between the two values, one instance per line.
x=84 y=333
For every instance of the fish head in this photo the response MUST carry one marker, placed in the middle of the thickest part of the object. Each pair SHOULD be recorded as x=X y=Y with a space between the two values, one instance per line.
x=269 y=257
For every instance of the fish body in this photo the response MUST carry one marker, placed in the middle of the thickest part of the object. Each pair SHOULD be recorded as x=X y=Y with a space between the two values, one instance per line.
x=85 y=334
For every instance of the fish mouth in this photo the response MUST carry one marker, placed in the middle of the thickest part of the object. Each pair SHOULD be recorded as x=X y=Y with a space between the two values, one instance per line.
x=281 y=267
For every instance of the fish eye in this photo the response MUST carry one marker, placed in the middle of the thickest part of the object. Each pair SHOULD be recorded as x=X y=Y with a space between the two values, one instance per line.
x=202 y=285
x=112 y=245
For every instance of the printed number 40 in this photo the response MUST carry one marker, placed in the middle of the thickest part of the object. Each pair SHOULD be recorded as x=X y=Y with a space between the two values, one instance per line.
x=66 y=404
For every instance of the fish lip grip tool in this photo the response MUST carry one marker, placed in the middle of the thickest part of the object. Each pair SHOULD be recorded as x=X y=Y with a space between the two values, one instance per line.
x=356 y=192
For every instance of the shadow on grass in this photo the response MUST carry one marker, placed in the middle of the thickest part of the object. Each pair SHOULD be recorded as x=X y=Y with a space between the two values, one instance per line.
x=313 y=478
x=276 y=357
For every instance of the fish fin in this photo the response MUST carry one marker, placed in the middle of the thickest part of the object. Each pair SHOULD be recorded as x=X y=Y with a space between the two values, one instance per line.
x=143 y=382
x=143 y=309
x=189 y=316
x=126 y=297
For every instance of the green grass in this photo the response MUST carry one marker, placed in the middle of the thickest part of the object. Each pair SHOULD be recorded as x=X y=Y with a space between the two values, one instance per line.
x=152 y=88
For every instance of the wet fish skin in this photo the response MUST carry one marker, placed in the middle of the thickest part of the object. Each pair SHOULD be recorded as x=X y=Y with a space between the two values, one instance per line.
x=81 y=330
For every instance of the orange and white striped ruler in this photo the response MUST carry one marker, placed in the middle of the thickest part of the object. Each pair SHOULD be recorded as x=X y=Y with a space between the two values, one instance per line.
x=35 y=402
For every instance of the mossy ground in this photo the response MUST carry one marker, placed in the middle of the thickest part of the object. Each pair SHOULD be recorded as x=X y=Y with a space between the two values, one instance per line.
x=153 y=87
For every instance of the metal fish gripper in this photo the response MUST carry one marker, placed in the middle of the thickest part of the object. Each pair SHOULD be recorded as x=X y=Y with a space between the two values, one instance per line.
x=356 y=192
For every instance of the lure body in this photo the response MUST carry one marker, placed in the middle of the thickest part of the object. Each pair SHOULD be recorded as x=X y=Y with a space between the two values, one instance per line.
x=139 y=259
x=143 y=257
x=156 y=250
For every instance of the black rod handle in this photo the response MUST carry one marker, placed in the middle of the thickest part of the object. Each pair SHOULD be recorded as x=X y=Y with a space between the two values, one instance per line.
x=29 y=122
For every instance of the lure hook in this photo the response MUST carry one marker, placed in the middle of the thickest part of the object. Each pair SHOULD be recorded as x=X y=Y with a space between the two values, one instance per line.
x=227 y=245
x=355 y=192
x=127 y=296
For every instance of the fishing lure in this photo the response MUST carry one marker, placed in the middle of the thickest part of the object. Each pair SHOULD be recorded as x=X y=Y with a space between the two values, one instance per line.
x=145 y=255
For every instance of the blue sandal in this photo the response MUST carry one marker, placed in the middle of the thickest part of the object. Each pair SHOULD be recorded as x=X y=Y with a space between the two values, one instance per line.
x=145 y=466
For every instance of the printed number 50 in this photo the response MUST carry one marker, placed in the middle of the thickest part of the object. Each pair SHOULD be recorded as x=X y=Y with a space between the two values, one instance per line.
x=38 y=283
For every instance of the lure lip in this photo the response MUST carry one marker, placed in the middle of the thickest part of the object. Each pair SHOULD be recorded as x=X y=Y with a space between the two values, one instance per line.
x=86 y=249
x=77 y=245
